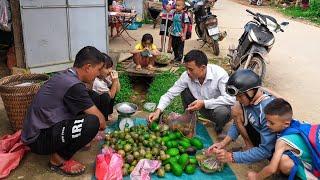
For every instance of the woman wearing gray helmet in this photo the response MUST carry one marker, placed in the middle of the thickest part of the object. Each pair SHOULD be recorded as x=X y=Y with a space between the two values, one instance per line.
x=249 y=120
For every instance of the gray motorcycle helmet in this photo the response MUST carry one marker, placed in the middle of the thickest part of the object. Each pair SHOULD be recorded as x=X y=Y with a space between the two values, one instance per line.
x=242 y=81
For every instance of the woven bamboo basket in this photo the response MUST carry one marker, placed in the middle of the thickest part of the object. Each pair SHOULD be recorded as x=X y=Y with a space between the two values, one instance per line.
x=17 y=92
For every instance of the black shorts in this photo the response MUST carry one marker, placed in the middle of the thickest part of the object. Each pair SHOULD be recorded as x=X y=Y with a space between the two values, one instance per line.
x=163 y=27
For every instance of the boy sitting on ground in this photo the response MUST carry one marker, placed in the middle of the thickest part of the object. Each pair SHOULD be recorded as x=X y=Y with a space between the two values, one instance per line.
x=297 y=149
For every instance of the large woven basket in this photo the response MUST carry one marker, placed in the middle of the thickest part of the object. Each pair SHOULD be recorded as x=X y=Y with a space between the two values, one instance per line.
x=17 y=92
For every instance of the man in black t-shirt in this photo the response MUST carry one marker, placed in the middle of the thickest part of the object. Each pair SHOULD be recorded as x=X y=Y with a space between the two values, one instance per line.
x=62 y=117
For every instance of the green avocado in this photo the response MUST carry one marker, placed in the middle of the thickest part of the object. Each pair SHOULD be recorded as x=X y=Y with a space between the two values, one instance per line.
x=178 y=134
x=174 y=144
x=183 y=160
x=169 y=144
x=184 y=144
x=190 y=169
x=154 y=127
x=176 y=169
x=196 y=142
x=185 y=139
x=193 y=160
x=172 y=152
x=165 y=138
x=172 y=136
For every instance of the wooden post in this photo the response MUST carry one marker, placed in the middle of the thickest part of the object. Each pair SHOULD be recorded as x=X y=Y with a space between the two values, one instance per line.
x=17 y=33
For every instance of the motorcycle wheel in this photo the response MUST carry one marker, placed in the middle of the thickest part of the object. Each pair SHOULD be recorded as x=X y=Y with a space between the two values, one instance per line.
x=257 y=65
x=259 y=2
x=215 y=48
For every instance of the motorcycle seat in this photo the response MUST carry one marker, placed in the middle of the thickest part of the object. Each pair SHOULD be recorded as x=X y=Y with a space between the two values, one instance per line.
x=263 y=35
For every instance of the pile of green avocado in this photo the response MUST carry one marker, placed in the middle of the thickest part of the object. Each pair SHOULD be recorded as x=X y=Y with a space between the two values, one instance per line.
x=155 y=142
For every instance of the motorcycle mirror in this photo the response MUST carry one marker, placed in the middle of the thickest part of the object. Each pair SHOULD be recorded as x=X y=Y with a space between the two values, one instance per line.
x=284 y=23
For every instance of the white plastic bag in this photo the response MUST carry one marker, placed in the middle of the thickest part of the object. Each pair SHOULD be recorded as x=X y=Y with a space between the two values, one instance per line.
x=5 y=15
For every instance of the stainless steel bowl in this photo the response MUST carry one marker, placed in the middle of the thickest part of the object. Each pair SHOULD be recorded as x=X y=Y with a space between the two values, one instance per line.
x=126 y=108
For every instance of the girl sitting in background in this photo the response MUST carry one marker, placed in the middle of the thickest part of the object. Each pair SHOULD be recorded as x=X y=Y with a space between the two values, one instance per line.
x=145 y=53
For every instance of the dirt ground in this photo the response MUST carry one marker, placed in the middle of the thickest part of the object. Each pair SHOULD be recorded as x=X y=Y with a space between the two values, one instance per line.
x=294 y=63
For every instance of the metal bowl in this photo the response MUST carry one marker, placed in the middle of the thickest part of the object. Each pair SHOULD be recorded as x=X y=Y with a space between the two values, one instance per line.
x=126 y=108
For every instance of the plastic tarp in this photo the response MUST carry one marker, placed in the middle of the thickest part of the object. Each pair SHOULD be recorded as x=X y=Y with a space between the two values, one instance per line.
x=202 y=133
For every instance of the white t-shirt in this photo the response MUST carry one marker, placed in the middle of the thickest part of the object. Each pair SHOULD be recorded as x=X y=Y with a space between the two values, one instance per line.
x=102 y=86
x=212 y=91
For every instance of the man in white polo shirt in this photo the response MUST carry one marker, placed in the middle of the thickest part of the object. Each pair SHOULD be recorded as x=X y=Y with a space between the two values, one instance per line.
x=202 y=87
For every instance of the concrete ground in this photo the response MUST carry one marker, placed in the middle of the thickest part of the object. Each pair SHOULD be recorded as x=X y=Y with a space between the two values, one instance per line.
x=291 y=72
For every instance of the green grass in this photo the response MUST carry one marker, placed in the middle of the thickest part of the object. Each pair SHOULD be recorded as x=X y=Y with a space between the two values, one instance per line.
x=160 y=86
x=312 y=13
x=126 y=91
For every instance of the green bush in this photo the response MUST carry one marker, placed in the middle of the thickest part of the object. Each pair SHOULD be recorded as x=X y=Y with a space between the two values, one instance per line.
x=126 y=91
x=312 y=13
x=160 y=86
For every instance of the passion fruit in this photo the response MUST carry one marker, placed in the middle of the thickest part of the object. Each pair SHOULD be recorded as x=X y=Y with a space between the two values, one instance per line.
x=129 y=158
x=121 y=153
x=127 y=148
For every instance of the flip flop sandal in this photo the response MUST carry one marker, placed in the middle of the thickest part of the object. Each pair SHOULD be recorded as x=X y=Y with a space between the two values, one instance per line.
x=66 y=168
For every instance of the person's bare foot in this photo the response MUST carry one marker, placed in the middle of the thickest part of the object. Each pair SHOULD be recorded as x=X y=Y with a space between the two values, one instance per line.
x=56 y=159
x=138 y=67
x=150 y=68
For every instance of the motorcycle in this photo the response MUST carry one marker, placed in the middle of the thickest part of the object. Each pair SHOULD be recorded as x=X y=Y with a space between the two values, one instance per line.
x=207 y=24
x=255 y=43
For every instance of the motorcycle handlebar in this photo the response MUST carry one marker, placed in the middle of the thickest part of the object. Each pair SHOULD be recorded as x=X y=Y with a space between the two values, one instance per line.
x=250 y=12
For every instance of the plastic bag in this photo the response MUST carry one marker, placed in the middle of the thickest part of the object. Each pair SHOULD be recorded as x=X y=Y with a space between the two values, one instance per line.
x=185 y=123
x=109 y=165
x=12 y=151
x=5 y=15
x=144 y=168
